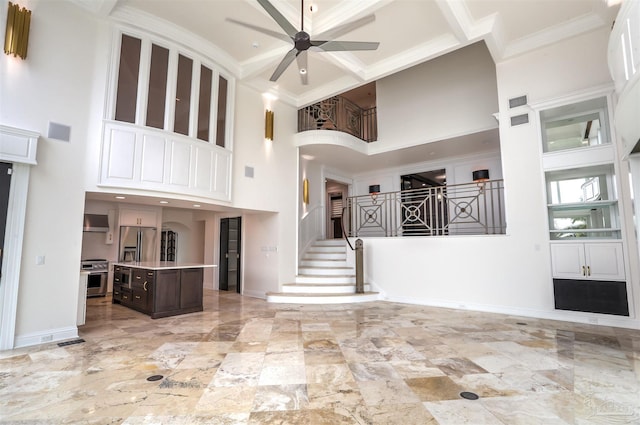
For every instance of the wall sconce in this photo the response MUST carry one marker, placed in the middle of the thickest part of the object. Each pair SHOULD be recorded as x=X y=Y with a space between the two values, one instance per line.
x=373 y=191
x=16 y=37
x=481 y=176
x=268 y=125
x=305 y=191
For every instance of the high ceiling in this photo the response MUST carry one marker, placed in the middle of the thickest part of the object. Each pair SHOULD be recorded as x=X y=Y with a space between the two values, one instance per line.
x=409 y=32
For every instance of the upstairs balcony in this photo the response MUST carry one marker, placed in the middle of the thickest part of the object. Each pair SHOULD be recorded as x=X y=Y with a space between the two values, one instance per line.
x=463 y=209
x=340 y=114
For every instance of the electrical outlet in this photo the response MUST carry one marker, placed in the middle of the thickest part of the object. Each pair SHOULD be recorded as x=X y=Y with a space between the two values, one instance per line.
x=39 y=260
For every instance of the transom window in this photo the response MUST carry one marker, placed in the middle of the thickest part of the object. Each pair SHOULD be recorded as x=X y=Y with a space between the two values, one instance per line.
x=161 y=87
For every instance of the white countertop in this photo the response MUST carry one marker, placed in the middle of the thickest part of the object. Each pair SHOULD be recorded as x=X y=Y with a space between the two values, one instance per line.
x=163 y=265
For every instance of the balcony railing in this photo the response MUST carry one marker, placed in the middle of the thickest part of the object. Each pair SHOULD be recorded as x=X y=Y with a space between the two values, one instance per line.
x=338 y=113
x=465 y=209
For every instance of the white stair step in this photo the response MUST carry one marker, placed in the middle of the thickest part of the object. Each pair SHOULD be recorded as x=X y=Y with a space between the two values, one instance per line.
x=326 y=280
x=322 y=263
x=329 y=248
x=310 y=288
x=325 y=255
x=289 y=298
x=330 y=242
x=325 y=271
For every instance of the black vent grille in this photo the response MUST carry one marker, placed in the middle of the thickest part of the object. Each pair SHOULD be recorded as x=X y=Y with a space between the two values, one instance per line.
x=514 y=102
x=519 y=119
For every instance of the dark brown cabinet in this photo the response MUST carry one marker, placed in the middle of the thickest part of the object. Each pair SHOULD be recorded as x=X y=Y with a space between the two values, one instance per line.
x=158 y=293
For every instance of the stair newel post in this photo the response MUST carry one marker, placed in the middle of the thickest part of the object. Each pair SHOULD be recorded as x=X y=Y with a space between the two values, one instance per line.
x=359 y=267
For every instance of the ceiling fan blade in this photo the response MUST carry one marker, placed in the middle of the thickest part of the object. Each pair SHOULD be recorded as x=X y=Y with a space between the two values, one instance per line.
x=345 y=28
x=340 y=46
x=270 y=33
x=286 y=61
x=301 y=58
x=277 y=16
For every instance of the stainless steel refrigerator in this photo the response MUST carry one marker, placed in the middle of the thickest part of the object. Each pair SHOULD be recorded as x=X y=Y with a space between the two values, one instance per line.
x=137 y=244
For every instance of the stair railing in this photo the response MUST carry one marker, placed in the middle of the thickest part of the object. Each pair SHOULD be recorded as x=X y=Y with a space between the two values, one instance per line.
x=359 y=249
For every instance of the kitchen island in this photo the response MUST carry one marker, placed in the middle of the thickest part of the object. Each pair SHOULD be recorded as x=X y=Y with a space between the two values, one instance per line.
x=160 y=288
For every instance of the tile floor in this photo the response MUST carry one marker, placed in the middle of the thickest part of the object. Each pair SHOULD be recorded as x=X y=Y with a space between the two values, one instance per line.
x=243 y=361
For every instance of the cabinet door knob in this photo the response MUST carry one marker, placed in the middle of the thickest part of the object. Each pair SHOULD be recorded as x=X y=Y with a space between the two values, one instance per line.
x=584 y=271
x=588 y=270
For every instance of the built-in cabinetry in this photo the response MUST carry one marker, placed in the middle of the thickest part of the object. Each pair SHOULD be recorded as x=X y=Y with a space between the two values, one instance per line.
x=588 y=260
x=170 y=119
x=138 y=218
x=585 y=228
x=158 y=290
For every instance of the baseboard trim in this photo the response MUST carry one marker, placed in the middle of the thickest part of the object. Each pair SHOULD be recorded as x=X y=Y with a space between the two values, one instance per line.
x=255 y=294
x=45 y=337
x=561 y=315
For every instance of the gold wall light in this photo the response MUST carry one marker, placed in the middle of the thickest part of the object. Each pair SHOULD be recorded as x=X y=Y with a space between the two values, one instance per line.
x=305 y=191
x=16 y=37
x=268 y=125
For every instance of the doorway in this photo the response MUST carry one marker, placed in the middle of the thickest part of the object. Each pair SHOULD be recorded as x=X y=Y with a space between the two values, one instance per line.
x=424 y=206
x=5 y=185
x=230 y=243
x=336 y=195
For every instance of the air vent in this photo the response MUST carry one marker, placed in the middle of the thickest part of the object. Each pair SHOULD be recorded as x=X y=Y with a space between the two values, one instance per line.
x=519 y=120
x=59 y=132
x=514 y=102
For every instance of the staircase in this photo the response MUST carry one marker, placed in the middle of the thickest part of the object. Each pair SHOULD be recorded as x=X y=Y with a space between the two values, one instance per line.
x=323 y=278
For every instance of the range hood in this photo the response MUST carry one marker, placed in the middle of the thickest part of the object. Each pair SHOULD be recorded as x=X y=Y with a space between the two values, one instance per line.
x=96 y=223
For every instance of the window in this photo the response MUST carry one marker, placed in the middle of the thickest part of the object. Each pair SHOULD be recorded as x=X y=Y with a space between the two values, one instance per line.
x=157 y=86
x=196 y=111
x=204 y=108
x=127 y=94
x=183 y=95
x=574 y=126
x=222 y=111
x=582 y=203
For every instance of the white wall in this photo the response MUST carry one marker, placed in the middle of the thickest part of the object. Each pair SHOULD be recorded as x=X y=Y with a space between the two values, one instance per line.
x=510 y=273
x=64 y=80
x=274 y=186
x=457 y=97
x=55 y=83
x=261 y=254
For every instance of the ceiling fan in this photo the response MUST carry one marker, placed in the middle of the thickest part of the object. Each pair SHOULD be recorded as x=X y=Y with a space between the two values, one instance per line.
x=302 y=41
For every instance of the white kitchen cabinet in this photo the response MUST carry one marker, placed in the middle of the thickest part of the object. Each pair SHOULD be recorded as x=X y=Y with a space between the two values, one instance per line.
x=588 y=260
x=138 y=218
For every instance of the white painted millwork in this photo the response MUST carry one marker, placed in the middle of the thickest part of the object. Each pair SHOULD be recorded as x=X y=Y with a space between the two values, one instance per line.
x=148 y=159
x=18 y=145
x=624 y=66
x=593 y=261
x=82 y=298
x=138 y=218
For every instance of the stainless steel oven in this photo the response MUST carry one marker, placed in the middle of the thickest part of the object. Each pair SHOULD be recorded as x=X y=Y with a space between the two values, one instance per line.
x=97 y=279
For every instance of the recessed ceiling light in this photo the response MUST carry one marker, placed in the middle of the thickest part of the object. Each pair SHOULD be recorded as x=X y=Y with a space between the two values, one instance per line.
x=120 y=197
x=164 y=202
x=255 y=44
x=303 y=71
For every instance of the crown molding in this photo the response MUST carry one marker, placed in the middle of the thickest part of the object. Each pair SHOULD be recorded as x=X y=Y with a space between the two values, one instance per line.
x=148 y=23
x=578 y=26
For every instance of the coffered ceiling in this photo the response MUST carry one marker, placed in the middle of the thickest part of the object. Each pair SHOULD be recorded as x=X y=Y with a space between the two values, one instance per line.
x=409 y=32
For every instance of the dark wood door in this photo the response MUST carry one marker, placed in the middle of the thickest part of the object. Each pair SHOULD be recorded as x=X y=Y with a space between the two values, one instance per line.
x=5 y=185
x=230 y=242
